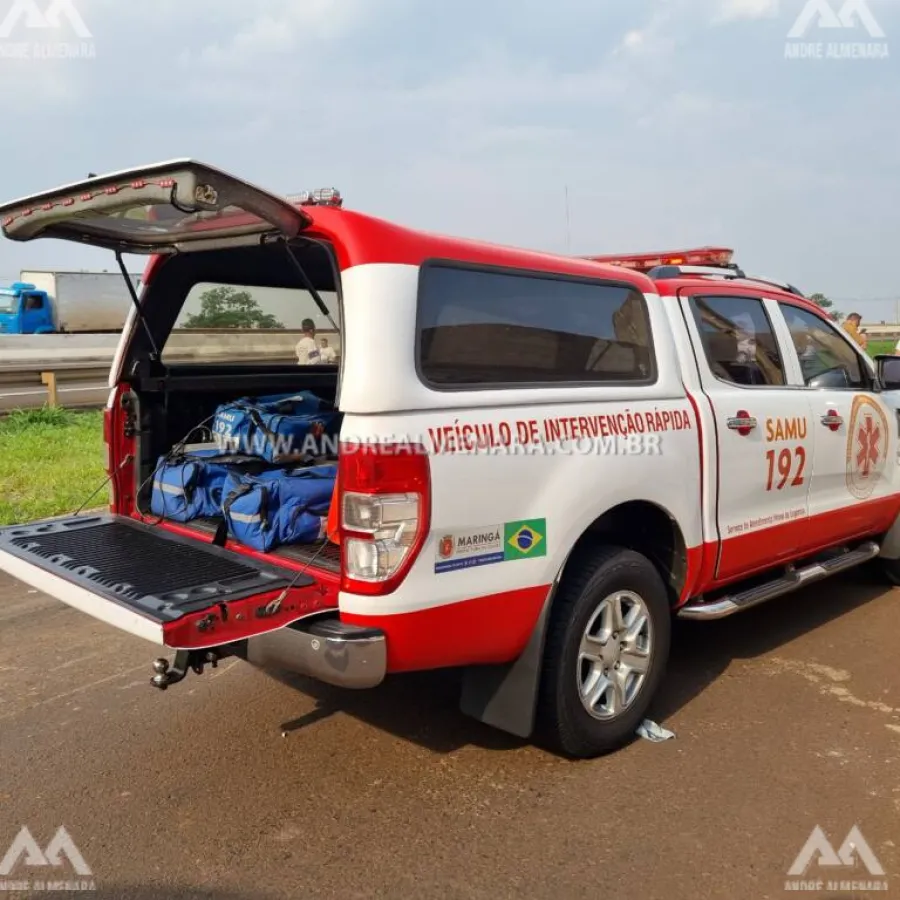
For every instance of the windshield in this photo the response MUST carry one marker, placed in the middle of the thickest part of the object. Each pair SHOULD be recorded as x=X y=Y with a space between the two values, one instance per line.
x=9 y=303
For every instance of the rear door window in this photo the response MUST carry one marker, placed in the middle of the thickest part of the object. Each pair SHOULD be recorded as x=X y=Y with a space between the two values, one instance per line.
x=480 y=327
x=739 y=341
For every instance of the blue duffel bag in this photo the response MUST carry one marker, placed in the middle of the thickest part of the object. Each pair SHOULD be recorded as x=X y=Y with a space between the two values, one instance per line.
x=188 y=485
x=279 y=429
x=267 y=510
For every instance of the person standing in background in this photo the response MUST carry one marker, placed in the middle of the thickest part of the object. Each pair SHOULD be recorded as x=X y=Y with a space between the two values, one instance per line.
x=329 y=357
x=851 y=326
x=308 y=351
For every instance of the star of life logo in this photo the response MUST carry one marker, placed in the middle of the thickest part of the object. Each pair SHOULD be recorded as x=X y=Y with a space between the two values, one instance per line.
x=852 y=868
x=867 y=447
x=58 y=23
x=849 y=19
x=58 y=867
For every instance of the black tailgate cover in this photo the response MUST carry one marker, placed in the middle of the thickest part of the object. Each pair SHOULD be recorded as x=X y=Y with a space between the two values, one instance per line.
x=159 y=574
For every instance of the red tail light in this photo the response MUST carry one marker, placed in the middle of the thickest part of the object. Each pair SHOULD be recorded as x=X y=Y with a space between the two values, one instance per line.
x=385 y=514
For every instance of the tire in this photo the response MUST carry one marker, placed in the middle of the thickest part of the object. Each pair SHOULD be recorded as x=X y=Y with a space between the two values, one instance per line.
x=597 y=584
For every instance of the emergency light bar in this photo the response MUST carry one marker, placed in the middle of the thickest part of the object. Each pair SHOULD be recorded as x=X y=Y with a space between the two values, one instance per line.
x=714 y=257
x=319 y=197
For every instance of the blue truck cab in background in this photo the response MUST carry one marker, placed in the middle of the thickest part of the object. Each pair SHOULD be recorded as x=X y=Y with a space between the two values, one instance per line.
x=25 y=310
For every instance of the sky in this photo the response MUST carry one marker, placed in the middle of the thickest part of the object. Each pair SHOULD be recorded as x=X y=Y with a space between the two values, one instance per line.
x=668 y=123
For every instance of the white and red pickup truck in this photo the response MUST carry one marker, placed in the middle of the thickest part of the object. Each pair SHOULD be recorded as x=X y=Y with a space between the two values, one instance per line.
x=542 y=459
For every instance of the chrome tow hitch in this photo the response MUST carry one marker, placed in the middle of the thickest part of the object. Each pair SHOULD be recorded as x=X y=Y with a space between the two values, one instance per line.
x=185 y=660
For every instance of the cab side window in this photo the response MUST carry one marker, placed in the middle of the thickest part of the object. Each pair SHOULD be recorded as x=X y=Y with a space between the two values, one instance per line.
x=826 y=359
x=738 y=340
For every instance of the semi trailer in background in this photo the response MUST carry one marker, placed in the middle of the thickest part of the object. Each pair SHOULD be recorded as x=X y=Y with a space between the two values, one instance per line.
x=48 y=302
x=45 y=302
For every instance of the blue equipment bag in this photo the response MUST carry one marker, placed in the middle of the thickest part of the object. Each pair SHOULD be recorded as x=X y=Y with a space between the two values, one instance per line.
x=273 y=508
x=188 y=485
x=282 y=428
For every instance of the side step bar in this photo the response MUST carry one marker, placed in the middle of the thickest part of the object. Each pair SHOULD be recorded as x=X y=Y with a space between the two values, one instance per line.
x=792 y=581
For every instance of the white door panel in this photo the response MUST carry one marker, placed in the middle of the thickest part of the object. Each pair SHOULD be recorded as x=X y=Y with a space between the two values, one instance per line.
x=854 y=475
x=764 y=434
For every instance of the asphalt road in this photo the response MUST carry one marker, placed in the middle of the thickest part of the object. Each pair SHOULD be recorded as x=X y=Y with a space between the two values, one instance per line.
x=71 y=395
x=786 y=718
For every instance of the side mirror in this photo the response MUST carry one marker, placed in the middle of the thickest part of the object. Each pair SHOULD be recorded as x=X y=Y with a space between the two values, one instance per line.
x=888 y=369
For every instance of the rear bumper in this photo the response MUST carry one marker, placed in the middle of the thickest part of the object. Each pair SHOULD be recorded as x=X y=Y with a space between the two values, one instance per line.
x=328 y=650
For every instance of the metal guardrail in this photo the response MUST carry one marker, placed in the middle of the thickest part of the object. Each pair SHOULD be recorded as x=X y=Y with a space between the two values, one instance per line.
x=51 y=375
x=51 y=379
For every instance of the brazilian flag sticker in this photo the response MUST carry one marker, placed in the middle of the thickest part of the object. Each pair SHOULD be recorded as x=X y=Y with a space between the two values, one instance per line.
x=524 y=540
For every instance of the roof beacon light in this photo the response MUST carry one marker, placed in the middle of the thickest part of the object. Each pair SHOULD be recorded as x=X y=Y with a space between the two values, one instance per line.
x=720 y=257
x=328 y=197
x=319 y=197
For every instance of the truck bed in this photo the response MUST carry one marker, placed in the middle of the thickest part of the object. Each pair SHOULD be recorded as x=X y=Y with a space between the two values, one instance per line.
x=321 y=555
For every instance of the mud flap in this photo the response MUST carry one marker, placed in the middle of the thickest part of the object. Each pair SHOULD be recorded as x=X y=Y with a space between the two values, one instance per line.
x=505 y=697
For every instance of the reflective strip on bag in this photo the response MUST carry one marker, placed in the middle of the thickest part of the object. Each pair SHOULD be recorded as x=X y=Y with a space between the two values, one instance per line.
x=245 y=517
x=168 y=488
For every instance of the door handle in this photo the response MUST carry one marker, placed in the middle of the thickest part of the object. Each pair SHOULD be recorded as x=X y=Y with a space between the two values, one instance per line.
x=743 y=423
x=832 y=420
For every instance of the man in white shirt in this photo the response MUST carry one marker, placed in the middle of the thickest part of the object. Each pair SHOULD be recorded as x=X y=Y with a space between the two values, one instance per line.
x=327 y=354
x=308 y=351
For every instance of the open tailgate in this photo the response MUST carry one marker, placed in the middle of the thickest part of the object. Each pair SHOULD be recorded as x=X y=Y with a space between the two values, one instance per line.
x=172 y=590
x=165 y=207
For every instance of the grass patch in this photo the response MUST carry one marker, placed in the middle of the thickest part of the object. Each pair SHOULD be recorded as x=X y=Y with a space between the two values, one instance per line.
x=881 y=348
x=51 y=460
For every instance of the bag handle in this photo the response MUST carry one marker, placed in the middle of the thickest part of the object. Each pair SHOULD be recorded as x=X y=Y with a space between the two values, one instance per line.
x=242 y=491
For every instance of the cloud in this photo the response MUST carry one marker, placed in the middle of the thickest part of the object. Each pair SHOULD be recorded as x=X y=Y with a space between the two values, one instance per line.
x=732 y=10
x=655 y=38
x=472 y=117
x=283 y=26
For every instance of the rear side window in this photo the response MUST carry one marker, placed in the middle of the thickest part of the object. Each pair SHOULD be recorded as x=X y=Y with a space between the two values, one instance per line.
x=480 y=327
x=739 y=341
